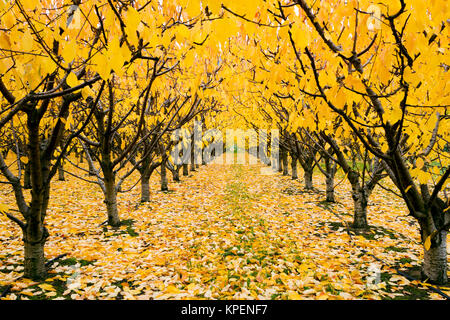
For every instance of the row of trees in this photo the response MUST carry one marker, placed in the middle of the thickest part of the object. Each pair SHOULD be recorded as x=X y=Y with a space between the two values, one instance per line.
x=361 y=87
x=109 y=82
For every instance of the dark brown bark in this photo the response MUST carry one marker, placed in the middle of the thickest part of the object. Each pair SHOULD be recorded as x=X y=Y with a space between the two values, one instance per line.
x=146 y=172
x=360 y=199
x=91 y=169
x=329 y=179
x=164 y=182
x=61 y=172
x=308 y=178
x=35 y=236
x=111 y=199
x=176 y=174
x=294 y=167
x=192 y=158
x=285 y=163
x=27 y=177
x=280 y=161
x=145 y=187
x=111 y=204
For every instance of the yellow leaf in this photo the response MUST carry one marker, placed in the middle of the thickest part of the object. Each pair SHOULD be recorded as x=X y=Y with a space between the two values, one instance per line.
x=27 y=41
x=294 y=296
x=420 y=163
x=114 y=56
x=27 y=293
x=191 y=286
x=5 y=42
x=68 y=51
x=101 y=66
x=29 y=4
x=86 y=92
x=172 y=289
x=341 y=98
x=423 y=177
x=4 y=208
x=159 y=261
x=301 y=38
x=72 y=80
x=50 y=294
x=8 y=20
x=46 y=287
x=133 y=18
x=427 y=243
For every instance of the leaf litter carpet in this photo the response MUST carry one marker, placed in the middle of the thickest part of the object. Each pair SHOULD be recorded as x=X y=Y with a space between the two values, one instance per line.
x=223 y=232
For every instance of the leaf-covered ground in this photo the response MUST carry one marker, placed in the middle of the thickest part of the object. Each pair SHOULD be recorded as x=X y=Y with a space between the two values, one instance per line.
x=224 y=232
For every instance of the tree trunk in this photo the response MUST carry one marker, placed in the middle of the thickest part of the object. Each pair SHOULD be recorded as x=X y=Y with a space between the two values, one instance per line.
x=34 y=232
x=331 y=172
x=176 y=174
x=330 y=188
x=360 y=200
x=185 y=169
x=61 y=172
x=203 y=159
x=35 y=236
x=91 y=169
x=285 y=164
x=294 y=168
x=435 y=261
x=308 y=179
x=27 y=177
x=145 y=188
x=280 y=161
x=192 y=159
x=111 y=203
x=164 y=183
x=34 y=265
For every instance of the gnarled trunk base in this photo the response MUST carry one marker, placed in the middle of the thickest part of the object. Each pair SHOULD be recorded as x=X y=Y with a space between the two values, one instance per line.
x=294 y=168
x=176 y=175
x=285 y=164
x=164 y=182
x=330 y=189
x=435 y=262
x=360 y=211
x=111 y=207
x=308 y=179
x=34 y=265
x=61 y=173
x=145 y=190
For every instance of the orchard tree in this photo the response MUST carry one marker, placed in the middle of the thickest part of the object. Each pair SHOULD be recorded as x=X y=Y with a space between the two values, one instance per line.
x=44 y=67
